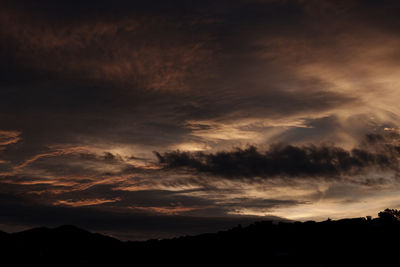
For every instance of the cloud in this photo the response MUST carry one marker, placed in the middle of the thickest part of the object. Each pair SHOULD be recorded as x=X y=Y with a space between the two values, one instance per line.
x=122 y=52
x=282 y=160
x=132 y=224
x=8 y=138
x=168 y=210
x=84 y=202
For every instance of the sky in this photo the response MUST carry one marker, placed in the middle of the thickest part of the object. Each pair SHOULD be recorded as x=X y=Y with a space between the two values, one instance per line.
x=154 y=119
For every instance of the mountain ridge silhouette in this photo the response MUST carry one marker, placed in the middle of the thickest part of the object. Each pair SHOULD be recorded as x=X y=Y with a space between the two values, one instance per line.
x=345 y=242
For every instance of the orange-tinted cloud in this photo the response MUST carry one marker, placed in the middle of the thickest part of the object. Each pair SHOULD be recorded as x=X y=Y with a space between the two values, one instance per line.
x=57 y=152
x=85 y=202
x=168 y=210
x=8 y=138
x=111 y=51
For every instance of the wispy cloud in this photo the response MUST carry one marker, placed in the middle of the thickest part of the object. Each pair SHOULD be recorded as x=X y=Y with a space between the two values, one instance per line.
x=85 y=202
x=8 y=138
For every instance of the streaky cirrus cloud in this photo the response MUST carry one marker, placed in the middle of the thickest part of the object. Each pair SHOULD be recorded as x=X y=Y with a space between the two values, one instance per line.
x=8 y=138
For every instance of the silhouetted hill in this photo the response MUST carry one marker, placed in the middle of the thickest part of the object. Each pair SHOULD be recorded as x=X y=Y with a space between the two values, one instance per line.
x=347 y=242
x=62 y=246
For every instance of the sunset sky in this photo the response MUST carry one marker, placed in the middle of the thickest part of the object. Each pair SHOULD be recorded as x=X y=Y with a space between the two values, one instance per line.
x=151 y=119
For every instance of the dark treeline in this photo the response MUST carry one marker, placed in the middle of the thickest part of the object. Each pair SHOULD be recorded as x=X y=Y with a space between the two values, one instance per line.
x=347 y=242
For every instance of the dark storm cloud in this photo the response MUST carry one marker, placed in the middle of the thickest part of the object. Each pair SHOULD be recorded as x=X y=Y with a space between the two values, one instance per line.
x=282 y=160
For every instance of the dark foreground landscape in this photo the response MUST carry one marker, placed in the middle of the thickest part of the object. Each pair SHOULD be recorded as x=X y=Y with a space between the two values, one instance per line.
x=347 y=242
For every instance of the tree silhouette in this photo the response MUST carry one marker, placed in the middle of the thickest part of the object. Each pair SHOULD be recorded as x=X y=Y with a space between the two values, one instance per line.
x=389 y=215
